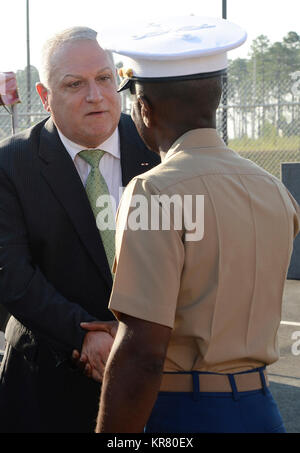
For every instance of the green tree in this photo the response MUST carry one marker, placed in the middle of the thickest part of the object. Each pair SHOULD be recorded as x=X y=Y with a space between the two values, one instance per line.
x=238 y=80
x=258 y=68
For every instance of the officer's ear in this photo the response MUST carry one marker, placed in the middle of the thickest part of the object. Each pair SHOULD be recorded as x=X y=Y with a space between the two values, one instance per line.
x=146 y=111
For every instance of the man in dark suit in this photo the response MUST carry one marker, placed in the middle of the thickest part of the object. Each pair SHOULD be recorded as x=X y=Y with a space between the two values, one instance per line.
x=54 y=271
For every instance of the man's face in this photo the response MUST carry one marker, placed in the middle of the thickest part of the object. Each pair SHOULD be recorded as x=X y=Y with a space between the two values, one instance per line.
x=82 y=96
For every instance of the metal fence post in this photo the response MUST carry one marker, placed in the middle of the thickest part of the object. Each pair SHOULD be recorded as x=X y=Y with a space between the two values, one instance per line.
x=14 y=118
x=225 y=88
x=28 y=72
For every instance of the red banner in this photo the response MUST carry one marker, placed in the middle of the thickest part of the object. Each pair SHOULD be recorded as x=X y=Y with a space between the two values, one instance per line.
x=8 y=89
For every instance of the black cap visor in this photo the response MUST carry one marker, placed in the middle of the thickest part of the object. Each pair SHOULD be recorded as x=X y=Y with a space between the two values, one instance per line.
x=126 y=83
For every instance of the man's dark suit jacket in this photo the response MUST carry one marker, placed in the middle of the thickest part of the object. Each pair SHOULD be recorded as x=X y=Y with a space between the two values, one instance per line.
x=53 y=275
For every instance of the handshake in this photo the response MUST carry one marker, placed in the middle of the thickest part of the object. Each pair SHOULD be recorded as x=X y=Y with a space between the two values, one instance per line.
x=96 y=347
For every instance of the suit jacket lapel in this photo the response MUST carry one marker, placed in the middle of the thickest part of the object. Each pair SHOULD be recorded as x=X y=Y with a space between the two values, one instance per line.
x=134 y=157
x=61 y=174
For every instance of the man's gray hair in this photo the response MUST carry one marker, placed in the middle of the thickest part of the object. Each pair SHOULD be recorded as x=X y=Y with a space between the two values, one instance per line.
x=60 y=39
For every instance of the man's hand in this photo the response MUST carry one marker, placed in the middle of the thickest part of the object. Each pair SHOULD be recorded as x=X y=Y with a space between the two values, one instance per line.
x=96 y=348
x=110 y=327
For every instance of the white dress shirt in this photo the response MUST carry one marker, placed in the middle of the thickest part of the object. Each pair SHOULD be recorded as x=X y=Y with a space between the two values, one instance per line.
x=110 y=164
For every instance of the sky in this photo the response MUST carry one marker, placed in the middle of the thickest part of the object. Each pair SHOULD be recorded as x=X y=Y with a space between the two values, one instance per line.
x=274 y=18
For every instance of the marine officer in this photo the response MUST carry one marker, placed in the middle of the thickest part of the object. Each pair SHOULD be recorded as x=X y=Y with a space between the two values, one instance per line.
x=198 y=313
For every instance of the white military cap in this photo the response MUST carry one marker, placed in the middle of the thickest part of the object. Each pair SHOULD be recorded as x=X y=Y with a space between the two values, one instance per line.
x=172 y=48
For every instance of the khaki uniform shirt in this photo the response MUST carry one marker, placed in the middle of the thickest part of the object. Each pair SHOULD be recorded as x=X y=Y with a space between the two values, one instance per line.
x=221 y=294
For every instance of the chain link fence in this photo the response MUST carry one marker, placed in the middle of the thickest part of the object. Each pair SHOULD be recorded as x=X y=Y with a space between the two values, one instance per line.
x=29 y=112
x=263 y=121
x=259 y=120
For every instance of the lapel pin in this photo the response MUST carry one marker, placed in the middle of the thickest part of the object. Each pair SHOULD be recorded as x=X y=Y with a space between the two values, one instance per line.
x=144 y=164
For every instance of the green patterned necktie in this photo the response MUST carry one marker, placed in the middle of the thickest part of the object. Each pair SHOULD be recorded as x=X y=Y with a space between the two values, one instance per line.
x=95 y=187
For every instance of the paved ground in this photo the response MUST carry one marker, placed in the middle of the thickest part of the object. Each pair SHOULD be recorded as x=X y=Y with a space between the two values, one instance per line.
x=285 y=374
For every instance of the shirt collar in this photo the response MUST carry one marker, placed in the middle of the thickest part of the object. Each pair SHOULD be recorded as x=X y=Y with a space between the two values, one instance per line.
x=197 y=138
x=111 y=145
